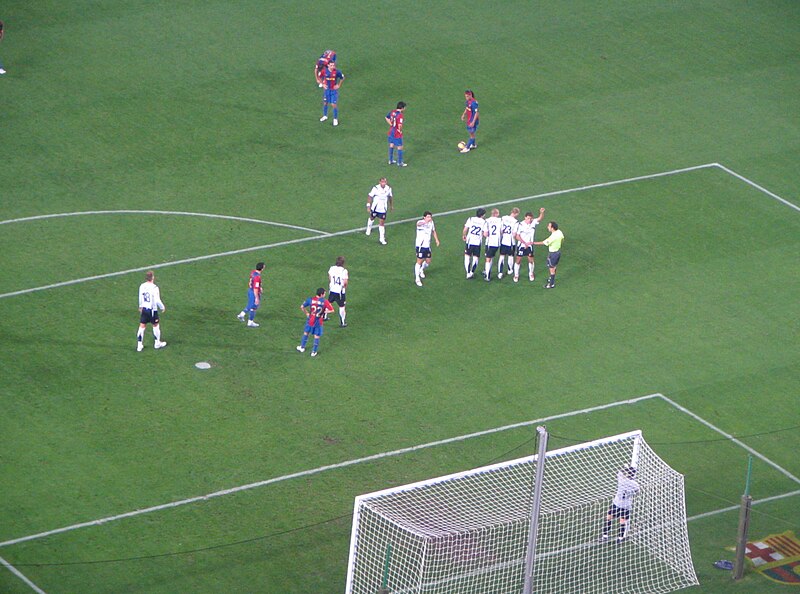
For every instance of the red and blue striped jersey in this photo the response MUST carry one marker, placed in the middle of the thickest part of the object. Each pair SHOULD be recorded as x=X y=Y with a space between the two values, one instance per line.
x=255 y=281
x=395 y=118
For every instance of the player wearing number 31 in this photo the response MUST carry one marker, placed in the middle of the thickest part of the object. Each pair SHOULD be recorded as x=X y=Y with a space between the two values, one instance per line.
x=149 y=304
x=316 y=310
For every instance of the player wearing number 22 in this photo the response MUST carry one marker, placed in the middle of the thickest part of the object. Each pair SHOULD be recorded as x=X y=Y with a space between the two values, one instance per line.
x=316 y=310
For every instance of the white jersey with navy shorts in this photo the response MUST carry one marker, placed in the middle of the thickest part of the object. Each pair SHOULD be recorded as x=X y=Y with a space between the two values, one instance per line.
x=507 y=231
x=149 y=302
x=380 y=200
x=526 y=232
x=476 y=226
x=423 y=242
x=623 y=499
x=338 y=277
x=494 y=230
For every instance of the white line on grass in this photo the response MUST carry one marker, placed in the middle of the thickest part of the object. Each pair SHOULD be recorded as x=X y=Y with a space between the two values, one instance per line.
x=21 y=576
x=757 y=187
x=161 y=212
x=320 y=469
x=346 y=232
x=738 y=507
x=700 y=419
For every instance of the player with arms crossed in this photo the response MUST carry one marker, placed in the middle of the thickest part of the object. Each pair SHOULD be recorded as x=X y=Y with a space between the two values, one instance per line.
x=338 y=278
x=395 y=120
x=473 y=234
x=470 y=116
x=507 y=234
x=316 y=310
x=425 y=228
x=326 y=58
x=524 y=236
x=553 y=244
x=379 y=202
x=254 y=288
x=494 y=228
x=331 y=81
x=149 y=304
x=621 y=506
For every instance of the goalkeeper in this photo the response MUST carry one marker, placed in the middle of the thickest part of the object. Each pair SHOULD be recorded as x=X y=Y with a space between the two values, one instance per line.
x=621 y=506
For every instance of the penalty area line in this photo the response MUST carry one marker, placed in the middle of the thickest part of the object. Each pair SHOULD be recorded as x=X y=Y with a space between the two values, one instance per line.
x=323 y=234
x=320 y=469
x=21 y=576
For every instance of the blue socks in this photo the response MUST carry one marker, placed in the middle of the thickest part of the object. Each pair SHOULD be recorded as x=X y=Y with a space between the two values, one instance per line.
x=399 y=155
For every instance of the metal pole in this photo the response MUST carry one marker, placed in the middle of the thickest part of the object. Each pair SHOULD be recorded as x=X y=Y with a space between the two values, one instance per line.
x=744 y=525
x=537 y=504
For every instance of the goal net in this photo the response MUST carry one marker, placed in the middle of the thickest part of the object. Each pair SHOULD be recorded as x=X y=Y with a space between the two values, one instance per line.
x=468 y=533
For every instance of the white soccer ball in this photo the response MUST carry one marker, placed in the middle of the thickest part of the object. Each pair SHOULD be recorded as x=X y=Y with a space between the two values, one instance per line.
x=462 y=145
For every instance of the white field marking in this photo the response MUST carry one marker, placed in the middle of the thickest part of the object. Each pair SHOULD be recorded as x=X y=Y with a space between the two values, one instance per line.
x=757 y=187
x=741 y=444
x=346 y=232
x=737 y=507
x=320 y=469
x=21 y=576
x=162 y=212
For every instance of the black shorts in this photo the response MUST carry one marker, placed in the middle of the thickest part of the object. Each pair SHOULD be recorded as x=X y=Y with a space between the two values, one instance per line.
x=524 y=251
x=491 y=250
x=506 y=250
x=423 y=253
x=377 y=215
x=337 y=298
x=552 y=259
x=472 y=250
x=149 y=316
x=618 y=512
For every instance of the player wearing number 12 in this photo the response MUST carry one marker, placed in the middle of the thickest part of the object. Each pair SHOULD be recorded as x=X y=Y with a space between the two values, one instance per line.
x=338 y=279
x=316 y=309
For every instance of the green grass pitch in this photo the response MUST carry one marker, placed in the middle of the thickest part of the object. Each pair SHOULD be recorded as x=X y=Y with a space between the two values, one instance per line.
x=683 y=284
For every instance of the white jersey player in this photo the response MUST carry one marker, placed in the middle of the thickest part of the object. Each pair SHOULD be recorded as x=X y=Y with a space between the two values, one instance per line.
x=379 y=202
x=621 y=506
x=524 y=236
x=149 y=304
x=473 y=234
x=494 y=230
x=507 y=233
x=337 y=286
x=425 y=229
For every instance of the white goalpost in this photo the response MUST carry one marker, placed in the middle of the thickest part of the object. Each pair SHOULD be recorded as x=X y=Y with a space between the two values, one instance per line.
x=468 y=533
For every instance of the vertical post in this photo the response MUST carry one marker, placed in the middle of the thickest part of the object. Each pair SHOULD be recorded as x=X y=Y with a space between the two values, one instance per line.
x=744 y=524
x=537 y=504
x=385 y=583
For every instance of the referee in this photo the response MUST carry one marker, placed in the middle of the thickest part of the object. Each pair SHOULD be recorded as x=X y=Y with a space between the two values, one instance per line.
x=553 y=244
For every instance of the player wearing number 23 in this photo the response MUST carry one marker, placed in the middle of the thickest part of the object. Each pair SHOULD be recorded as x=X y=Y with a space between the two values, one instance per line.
x=316 y=310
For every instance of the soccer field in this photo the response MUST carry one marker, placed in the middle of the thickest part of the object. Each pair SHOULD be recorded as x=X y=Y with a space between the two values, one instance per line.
x=185 y=137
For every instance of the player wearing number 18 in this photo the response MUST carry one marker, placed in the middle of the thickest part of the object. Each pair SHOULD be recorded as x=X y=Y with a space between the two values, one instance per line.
x=316 y=310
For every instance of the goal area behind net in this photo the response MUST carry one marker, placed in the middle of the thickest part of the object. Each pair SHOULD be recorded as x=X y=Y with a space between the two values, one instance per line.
x=468 y=533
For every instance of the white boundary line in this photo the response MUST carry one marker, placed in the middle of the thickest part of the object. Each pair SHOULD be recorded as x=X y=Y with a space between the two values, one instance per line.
x=323 y=234
x=21 y=576
x=163 y=212
x=338 y=233
x=320 y=469
x=407 y=450
x=738 y=507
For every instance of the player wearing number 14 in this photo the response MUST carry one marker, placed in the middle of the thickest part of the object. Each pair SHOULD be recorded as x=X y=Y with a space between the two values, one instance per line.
x=338 y=279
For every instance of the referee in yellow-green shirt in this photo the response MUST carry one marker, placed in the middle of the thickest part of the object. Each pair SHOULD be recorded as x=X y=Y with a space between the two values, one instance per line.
x=553 y=244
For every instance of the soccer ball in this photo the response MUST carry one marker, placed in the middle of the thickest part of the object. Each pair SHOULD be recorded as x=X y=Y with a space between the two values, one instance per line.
x=462 y=145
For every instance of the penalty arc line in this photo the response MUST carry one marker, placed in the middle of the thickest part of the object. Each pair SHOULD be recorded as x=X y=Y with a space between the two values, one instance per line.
x=321 y=469
x=161 y=212
x=339 y=233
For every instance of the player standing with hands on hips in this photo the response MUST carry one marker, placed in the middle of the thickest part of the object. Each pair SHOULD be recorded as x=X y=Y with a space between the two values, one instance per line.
x=331 y=81
x=379 y=202
x=149 y=304
x=395 y=120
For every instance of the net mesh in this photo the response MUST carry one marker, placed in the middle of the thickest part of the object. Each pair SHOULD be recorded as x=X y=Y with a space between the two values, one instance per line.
x=468 y=533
